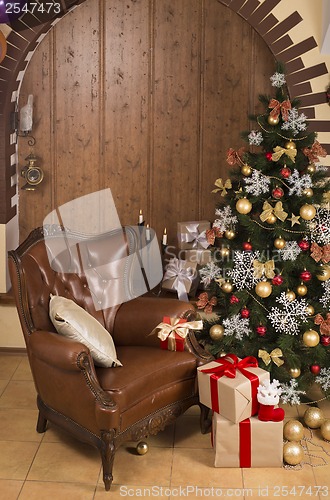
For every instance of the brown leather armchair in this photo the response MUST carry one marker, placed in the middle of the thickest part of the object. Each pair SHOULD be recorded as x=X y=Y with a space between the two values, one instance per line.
x=101 y=406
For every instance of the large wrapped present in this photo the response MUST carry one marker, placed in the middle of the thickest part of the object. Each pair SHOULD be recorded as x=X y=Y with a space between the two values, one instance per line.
x=250 y=443
x=229 y=386
x=192 y=234
x=181 y=276
x=173 y=331
x=199 y=255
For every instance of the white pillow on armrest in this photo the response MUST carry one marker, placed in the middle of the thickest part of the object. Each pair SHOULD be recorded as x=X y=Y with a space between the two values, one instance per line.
x=72 y=321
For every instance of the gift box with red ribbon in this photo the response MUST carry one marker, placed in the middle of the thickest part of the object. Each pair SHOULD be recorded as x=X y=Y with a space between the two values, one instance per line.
x=173 y=331
x=250 y=443
x=229 y=386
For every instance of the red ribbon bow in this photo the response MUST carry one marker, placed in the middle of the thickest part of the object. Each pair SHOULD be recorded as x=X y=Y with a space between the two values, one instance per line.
x=279 y=107
x=205 y=303
x=320 y=253
x=234 y=157
x=228 y=368
x=324 y=324
x=213 y=233
x=314 y=152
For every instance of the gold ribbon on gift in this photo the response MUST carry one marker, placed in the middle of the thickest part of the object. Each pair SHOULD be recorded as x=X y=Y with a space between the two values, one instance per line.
x=176 y=327
x=268 y=210
x=274 y=356
x=220 y=186
x=278 y=152
x=266 y=269
x=279 y=107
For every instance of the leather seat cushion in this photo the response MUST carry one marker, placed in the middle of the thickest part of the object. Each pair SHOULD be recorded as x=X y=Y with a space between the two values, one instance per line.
x=145 y=372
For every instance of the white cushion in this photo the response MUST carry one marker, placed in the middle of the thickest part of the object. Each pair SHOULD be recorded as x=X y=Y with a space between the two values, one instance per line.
x=74 y=322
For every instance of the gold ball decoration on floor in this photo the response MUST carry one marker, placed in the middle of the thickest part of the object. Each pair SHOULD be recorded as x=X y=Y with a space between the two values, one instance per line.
x=311 y=338
x=295 y=372
x=293 y=430
x=290 y=145
x=310 y=310
x=290 y=295
x=142 y=448
x=325 y=429
x=246 y=170
x=313 y=417
x=216 y=332
x=279 y=243
x=263 y=289
x=227 y=287
x=307 y=212
x=293 y=453
x=273 y=120
x=243 y=206
x=230 y=234
x=302 y=290
x=324 y=275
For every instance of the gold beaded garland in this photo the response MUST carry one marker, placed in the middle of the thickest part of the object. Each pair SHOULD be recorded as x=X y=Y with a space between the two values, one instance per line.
x=313 y=417
x=311 y=338
x=216 y=332
x=293 y=430
x=293 y=453
x=263 y=289
x=307 y=212
x=279 y=243
x=295 y=372
x=325 y=429
x=243 y=206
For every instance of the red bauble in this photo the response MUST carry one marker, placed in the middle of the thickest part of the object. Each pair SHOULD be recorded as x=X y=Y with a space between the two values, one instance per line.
x=261 y=330
x=305 y=275
x=277 y=193
x=245 y=313
x=315 y=369
x=325 y=340
x=234 y=300
x=304 y=245
x=247 y=246
x=269 y=156
x=285 y=172
x=277 y=280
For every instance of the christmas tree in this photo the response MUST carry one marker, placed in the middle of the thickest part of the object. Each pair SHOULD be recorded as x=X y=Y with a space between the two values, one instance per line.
x=270 y=275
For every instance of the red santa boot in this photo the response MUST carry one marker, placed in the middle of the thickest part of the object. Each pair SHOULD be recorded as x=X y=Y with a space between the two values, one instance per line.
x=268 y=397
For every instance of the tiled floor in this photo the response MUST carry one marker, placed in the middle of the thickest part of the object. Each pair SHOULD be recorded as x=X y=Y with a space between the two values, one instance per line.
x=179 y=463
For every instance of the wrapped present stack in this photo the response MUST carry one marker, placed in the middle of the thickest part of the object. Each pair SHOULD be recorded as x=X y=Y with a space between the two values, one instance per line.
x=194 y=239
x=247 y=426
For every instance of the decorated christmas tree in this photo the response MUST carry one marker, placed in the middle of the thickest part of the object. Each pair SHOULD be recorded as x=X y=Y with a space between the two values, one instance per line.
x=270 y=275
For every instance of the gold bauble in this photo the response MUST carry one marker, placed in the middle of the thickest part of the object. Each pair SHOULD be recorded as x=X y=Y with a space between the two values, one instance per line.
x=308 y=192
x=313 y=417
x=307 y=212
x=310 y=310
x=290 y=145
x=293 y=430
x=271 y=219
x=230 y=234
x=324 y=275
x=227 y=287
x=142 y=448
x=225 y=252
x=243 y=206
x=325 y=429
x=279 y=243
x=263 y=289
x=311 y=338
x=311 y=168
x=216 y=332
x=293 y=453
x=302 y=289
x=295 y=372
x=272 y=120
x=290 y=295
x=246 y=170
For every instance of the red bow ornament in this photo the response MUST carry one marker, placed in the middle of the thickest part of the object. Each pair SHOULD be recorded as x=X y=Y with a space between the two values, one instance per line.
x=279 y=107
x=314 y=152
x=213 y=233
x=205 y=303
x=324 y=324
x=320 y=253
x=234 y=157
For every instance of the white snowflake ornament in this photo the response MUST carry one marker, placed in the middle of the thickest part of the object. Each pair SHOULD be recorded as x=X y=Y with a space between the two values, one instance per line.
x=278 y=79
x=299 y=184
x=324 y=379
x=290 y=393
x=255 y=138
x=226 y=219
x=288 y=318
x=257 y=184
x=209 y=273
x=325 y=299
x=236 y=326
x=290 y=251
x=242 y=274
x=295 y=122
x=320 y=226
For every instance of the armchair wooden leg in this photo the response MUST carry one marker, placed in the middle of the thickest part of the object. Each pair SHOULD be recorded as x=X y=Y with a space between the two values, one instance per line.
x=41 y=423
x=205 y=421
x=108 y=455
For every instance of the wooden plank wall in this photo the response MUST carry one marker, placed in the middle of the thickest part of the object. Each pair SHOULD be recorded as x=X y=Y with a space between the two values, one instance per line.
x=144 y=97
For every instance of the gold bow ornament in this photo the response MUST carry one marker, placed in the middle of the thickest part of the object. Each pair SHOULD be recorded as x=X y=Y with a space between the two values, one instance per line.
x=268 y=210
x=279 y=107
x=274 y=356
x=220 y=186
x=278 y=152
x=173 y=328
x=263 y=269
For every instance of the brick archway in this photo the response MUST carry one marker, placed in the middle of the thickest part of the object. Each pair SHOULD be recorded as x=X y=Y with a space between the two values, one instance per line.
x=27 y=34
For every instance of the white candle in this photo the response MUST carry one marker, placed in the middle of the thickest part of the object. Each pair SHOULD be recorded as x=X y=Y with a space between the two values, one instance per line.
x=148 y=233
x=164 y=237
x=140 y=217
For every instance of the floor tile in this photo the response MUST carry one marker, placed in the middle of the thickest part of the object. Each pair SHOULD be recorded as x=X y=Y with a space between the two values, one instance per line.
x=8 y=365
x=164 y=439
x=322 y=472
x=16 y=458
x=35 y=490
x=196 y=466
x=152 y=468
x=290 y=411
x=77 y=463
x=10 y=489
x=255 y=478
x=3 y=385
x=19 y=394
x=18 y=425
x=188 y=435
x=23 y=371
